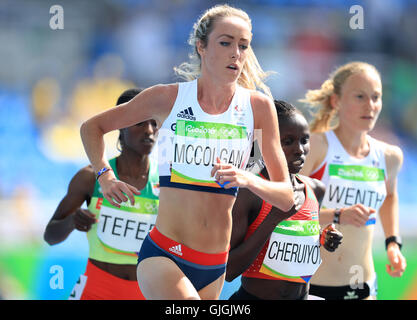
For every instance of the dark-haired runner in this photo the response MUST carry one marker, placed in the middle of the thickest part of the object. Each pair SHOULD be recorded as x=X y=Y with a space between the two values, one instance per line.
x=278 y=251
x=114 y=234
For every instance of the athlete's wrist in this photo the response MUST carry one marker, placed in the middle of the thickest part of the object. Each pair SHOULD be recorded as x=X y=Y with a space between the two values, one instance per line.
x=337 y=215
x=106 y=179
x=393 y=242
x=103 y=171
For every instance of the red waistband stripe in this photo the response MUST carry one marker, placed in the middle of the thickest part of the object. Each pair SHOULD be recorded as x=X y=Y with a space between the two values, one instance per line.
x=186 y=253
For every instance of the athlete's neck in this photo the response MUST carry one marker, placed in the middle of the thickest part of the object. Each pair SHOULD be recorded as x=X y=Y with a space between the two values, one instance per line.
x=354 y=142
x=132 y=164
x=214 y=98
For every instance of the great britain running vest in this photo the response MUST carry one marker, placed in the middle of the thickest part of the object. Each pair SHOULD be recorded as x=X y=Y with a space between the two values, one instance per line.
x=119 y=232
x=351 y=181
x=190 y=140
x=292 y=253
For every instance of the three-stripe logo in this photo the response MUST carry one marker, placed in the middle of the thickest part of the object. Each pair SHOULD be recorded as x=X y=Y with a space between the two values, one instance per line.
x=187 y=114
x=176 y=249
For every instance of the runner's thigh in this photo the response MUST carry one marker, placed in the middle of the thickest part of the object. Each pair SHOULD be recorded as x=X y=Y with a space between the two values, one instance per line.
x=213 y=290
x=160 y=278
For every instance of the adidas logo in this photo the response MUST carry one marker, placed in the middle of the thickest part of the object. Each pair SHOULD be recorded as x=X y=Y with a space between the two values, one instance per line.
x=187 y=114
x=176 y=249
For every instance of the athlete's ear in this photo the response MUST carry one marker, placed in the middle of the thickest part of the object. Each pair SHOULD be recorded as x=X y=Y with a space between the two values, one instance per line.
x=200 y=47
x=334 y=101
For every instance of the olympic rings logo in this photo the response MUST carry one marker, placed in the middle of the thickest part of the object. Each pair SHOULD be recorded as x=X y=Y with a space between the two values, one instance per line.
x=372 y=174
x=313 y=228
x=226 y=132
x=151 y=207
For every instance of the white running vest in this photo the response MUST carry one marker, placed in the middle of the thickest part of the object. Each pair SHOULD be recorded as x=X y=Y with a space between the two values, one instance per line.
x=190 y=140
x=351 y=181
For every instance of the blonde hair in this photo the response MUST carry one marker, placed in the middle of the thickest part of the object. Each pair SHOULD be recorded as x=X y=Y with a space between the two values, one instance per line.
x=252 y=75
x=326 y=117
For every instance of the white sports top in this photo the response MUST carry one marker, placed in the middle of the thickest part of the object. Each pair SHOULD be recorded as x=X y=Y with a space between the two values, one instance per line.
x=350 y=180
x=190 y=140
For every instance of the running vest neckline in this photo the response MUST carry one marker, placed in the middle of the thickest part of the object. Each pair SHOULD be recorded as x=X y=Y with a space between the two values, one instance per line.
x=198 y=105
x=119 y=233
x=190 y=140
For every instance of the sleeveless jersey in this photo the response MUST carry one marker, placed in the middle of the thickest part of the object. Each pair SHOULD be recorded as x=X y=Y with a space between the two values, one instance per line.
x=190 y=140
x=119 y=232
x=292 y=252
x=350 y=180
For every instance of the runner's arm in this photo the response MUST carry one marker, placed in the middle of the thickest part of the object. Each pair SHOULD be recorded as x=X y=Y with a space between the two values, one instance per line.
x=238 y=261
x=278 y=190
x=389 y=211
x=244 y=252
x=330 y=238
x=62 y=223
x=152 y=103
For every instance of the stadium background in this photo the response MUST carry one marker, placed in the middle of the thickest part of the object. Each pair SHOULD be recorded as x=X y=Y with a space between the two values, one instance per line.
x=52 y=80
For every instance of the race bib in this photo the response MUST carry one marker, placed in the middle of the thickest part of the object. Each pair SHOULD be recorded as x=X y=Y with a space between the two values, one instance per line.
x=293 y=251
x=352 y=184
x=197 y=145
x=78 y=289
x=123 y=230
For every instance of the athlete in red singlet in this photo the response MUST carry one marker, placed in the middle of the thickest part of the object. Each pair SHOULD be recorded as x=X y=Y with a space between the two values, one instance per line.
x=255 y=220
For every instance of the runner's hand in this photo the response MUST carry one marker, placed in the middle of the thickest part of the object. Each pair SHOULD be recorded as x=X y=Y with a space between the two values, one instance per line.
x=228 y=173
x=356 y=215
x=397 y=261
x=116 y=191
x=330 y=238
x=83 y=219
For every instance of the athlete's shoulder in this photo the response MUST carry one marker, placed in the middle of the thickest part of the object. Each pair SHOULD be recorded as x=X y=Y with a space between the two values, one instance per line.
x=157 y=101
x=260 y=99
x=83 y=181
x=391 y=149
x=393 y=162
x=164 y=91
x=263 y=109
x=85 y=173
x=392 y=153
x=393 y=156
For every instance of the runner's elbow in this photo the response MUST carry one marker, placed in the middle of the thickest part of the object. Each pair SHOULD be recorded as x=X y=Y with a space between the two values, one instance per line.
x=230 y=276
x=230 y=273
x=84 y=128
x=48 y=239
